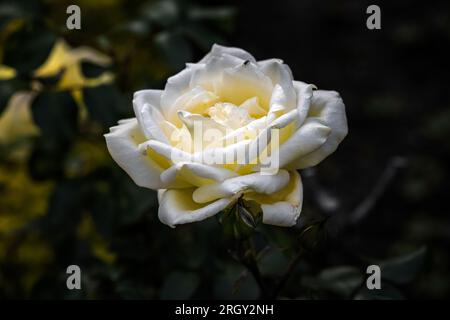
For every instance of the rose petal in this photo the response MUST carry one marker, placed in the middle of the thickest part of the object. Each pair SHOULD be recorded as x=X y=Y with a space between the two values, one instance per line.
x=238 y=154
x=243 y=82
x=196 y=173
x=304 y=95
x=286 y=212
x=151 y=121
x=176 y=86
x=278 y=100
x=195 y=100
x=167 y=153
x=308 y=138
x=328 y=107
x=218 y=50
x=122 y=143
x=280 y=74
x=253 y=108
x=209 y=75
x=255 y=182
x=177 y=207
x=193 y=119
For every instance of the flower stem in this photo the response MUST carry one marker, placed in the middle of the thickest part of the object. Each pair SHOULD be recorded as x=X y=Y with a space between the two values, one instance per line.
x=248 y=259
x=287 y=274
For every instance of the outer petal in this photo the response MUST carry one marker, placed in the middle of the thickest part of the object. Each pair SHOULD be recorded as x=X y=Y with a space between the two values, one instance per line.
x=146 y=104
x=142 y=97
x=177 y=207
x=286 y=212
x=218 y=50
x=255 y=182
x=122 y=143
x=304 y=95
x=328 y=107
x=309 y=137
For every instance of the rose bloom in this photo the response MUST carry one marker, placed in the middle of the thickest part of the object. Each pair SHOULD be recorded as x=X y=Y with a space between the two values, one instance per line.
x=228 y=91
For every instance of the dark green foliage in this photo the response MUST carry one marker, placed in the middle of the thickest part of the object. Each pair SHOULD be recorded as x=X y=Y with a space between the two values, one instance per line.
x=93 y=215
x=56 y=114
x=103 y=104
x=28 y=48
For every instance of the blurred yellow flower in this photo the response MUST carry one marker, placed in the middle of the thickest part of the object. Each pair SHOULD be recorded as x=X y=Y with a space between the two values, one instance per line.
x=64 y=59
x=7 y=73
x=16 y=120
x=99 y=247
x=22 y=200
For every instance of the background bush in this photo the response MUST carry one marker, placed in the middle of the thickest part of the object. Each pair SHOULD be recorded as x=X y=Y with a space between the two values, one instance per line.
x=379 y=199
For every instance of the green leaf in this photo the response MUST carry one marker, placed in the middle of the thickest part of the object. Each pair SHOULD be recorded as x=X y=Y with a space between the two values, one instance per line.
x=313 y=236
x=47 y=159
x=246 y=216
x=163 y=13
x=103 y=208
x=130 y=290
x=102 y=103
x=179 y=285
x=140 y=202
x=52 y=80
x=65 y=207
x=216 y=13
x=236 y=224
x=28 y=48
x=218 y=18
x=273 y=262
x=56 y=114
x=91 y=70
x=10 y=10
x=235 y=283
x=139 y=27
x=403 y=269
x=342 y=280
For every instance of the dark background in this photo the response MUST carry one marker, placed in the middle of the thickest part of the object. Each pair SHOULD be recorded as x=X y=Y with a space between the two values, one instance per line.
x=380 y=198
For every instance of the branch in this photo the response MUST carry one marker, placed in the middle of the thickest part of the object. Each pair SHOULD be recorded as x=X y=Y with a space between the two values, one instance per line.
x=287 y=274
x=378 y=190
x=247 y=256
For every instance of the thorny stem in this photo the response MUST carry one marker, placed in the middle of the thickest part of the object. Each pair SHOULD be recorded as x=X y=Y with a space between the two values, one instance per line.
x=287 y=274
x=247 y=256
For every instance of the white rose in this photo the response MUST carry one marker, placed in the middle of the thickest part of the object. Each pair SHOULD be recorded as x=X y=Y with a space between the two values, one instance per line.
x=227 y=91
